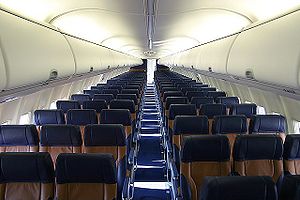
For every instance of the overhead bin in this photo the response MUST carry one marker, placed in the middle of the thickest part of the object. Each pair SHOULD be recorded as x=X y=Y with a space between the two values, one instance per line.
x=87 y=55
x=270 y=52
x=32 y=52
x=2 y=71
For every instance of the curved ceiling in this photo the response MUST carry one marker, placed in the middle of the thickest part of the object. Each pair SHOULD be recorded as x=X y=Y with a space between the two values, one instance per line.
x=175 y=25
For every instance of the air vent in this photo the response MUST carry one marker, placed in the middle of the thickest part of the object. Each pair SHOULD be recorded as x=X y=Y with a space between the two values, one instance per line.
x=53 y=74
x=249 y=74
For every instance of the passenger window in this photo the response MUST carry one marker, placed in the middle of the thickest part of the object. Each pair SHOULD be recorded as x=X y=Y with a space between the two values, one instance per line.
x=53 y=105
x=261 y=110
x=296 y=127
x=25 y=119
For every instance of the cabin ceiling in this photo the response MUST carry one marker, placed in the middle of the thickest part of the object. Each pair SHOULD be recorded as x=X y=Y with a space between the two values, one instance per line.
x=150 y=28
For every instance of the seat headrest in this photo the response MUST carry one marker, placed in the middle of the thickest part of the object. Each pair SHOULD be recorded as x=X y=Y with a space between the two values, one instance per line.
x=190 y=125
x=181 y=109
x=171 y=94
x=80 y=97
x=228 y=101
x=224 y=124
x=18 y=135
x=205 y=148
x=292 y=147
x=211 y=110
x=191 y=94
x=42 y=117
x=165 y=89
x=216 y=94
x=91 y=93
x=97 y=105
x=111 y=91
x=199 y=101
x=208 y=89
x=66 y=105
x=104 y=135
x=243 y=109
x=60 y=135
x=186 y=89
x=267 y=124
x=82 y=117
x=128 y=96
x=290 y=189
x=175 y=100
x=123 y=104
x=85 y=168
x=115 y=116
x=119 y=88
x=238 y=188
x=26 y=167
x=130 y=91
x=258 y=147
x=106 y=97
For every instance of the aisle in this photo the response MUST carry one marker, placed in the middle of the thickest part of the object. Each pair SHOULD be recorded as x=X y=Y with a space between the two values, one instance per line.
x=150 y=176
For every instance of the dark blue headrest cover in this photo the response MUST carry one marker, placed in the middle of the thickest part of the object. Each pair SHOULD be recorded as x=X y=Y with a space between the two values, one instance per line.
x=190 y=125
x=238 y=188
x=26 y=167
x=175 y=100
x=211 y=110
x=205 y=148
x=66 y=105
x=181 y=109
x=42 y=117
x=115 y=116
x=111 y=91
x=104 y=135
x=80 y=97
x=267 y=124
x=290 y=188
x=191 y=94
x=60 y=135
x=292 y=147
x=199 y=101
x=18 y=135
x=224 y=124
x=128 y=96
x=243 y=109
x=82 y=117
x=172 y=94
x=85 y=168
x=106 y=97
x=208 y=89
x=216 y=94
x=258 y=147
x=228 y=101
x=97 y=105
x=123 y=104
x=130 y=91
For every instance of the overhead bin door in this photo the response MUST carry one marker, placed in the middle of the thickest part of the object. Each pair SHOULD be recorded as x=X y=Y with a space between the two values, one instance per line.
x=2 y=70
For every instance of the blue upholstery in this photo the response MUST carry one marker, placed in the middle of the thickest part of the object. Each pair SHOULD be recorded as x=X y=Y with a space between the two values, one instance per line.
x=26 y=167
x=165 y=89
x=97 y=105
x=82 y=117
x=290 y=188
x=199 y=101
x=292 y=147
x=80 y=98
x=211 y=110
x=18 y=135
x=85 y=168
x=66 y=105
x=243 y=109
x=131 y=91
x=191 y=94
x=60 y=135
x=181 y=109
x=128 y=96
x=216 y=94
x=228 y=101
x=106 y=97
x=115 y=116
x=123 y=104
x=208 y=89
x=91 y=92
x=257 y=147
x=238 y=188
x=42 y=117
x=111 y=91
x=175 y=100
x=171 y=94
x=104 y=135
x=184 y=90
x=267 y=124
x=190 y=125
x=205 y=148
x=118 y=87
x=224 y=124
